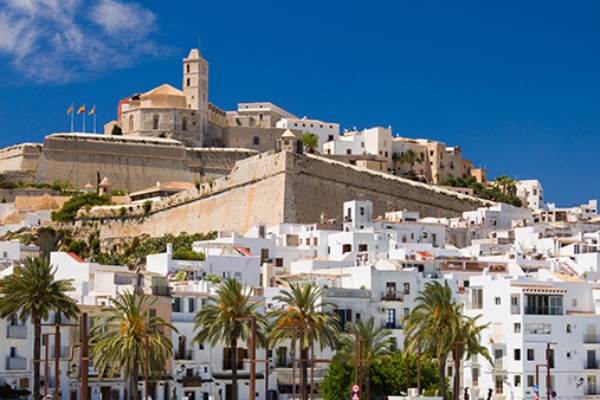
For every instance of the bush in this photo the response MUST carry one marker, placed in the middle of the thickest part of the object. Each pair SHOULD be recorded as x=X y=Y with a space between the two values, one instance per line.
x=69 y=210
x=8 y=185
x=116 y=130
x=147 y=207
x=184 y=254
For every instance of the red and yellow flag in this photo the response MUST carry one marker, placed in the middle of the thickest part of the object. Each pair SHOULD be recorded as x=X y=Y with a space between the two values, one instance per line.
x=81 y=109
x=70 y=110
x=92 y=111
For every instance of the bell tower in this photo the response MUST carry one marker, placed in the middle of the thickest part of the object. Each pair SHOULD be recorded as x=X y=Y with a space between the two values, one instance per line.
x=195 y=87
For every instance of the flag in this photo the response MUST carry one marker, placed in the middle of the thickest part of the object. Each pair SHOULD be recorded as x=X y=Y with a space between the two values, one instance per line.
x=92 y=111
x=81 y=109
x=70 y=110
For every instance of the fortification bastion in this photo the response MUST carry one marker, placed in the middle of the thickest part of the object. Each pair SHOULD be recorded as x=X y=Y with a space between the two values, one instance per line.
x=277 y=187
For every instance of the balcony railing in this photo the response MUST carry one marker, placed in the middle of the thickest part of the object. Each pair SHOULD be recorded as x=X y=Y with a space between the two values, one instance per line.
x=591 y=339
x=16 y=363
x=186 y=355
x=17 y=332
x=591 y=364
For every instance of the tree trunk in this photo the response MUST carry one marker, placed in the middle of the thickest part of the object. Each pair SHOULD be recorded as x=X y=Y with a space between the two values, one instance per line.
x=442 y=375
x=37 y=337
x=133 y=382
x=304 y=371
x=234 y=374
x=368 y=382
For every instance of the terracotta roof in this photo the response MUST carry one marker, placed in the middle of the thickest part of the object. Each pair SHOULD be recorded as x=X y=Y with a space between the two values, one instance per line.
x=76 y=257
x=163 y=90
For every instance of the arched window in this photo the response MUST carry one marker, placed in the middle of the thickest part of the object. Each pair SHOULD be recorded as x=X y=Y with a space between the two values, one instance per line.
x=188 y=81
x=188 y=70
x=156 y=122
x=184 y=123
x=131 y=122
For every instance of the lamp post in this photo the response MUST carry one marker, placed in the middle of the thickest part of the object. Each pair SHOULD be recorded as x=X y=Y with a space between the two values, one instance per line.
x=537 y=376
x=548 y=369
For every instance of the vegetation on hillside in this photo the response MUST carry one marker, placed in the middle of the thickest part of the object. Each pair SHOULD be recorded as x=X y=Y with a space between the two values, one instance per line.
x=69 y=210
x=504 y=189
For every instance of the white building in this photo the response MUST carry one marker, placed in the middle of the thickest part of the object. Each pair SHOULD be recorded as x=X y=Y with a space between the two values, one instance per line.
x=326 y=131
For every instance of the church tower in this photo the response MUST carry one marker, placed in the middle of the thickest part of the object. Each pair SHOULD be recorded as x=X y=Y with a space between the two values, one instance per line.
x=195 y=87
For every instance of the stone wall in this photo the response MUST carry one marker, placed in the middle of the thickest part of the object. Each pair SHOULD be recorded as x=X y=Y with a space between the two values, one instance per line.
x=243 y=137
x=22 y=157
x=208 y=164
x=129 y=163
x=273 y=187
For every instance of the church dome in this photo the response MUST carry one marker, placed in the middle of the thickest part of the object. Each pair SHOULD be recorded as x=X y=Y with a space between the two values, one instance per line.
x=164 y=96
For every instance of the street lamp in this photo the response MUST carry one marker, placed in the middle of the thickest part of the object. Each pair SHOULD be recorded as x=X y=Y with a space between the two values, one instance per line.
x=537 y=376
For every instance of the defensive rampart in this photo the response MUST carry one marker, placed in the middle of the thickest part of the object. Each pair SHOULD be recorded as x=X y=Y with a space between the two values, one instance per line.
x=129 y=163
x=278 y=187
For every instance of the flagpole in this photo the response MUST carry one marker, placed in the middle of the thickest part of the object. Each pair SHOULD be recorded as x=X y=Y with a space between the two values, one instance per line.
x=94 y=118
x=72 y=118
x=84 y=120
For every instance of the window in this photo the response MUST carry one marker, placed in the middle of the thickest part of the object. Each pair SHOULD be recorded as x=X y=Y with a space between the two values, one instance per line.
x=574 y=302
x=279 y=262
x=517 y=327
x=543 y=305
x=177 y=304
x=497 y=301
x=187 y=68
x=131 y=122
x=349 y=152
x=530 y=355
x=477 y=298
x=362 y=211
x=184 y=123
x=256 y=140
x=406 y=288
x=517 y=381
x=156 y=120
x=188 y=81
x=568 y=328
x=362 y=247
x=346 y=248
x=228 y=358
x=191 y=305
x=530 y=380
x=517 y=354
x=390 y=319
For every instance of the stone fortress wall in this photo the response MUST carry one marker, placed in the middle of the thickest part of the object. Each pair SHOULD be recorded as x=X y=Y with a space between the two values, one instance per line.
x=129 y=163
x=279 y=187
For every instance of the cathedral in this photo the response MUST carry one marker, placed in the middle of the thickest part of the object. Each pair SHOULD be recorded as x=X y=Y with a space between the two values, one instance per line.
x=167 y=112
x=187 y=116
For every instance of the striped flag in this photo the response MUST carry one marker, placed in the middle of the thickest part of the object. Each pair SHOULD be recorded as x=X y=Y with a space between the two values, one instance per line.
x=70 y=110
x=81 y=109
x=92 y=111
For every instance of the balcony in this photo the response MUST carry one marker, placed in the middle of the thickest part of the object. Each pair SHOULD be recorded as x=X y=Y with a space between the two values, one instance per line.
x=16 y=363
x=499 y=364
x=591 y=364
x=17 y=332
x=591 y=339
x=185 y=355
x=391 y=297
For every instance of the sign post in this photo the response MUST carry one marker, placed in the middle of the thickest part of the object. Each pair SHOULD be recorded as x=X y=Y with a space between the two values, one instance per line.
x=355 y=391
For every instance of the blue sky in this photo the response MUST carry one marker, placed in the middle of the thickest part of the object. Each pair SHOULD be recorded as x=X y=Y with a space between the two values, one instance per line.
x=515 y=84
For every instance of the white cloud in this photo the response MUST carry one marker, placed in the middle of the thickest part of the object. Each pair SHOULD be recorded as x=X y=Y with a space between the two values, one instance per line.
x=59 y=41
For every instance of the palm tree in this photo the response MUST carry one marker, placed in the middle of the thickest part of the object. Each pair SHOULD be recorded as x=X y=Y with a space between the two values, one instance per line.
x=33 y=292
x=410 y=157
x=305 y=312
x=375 y=347
x=435 y=320
x=439 y=321
x=218 y=321
x=126 y=330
